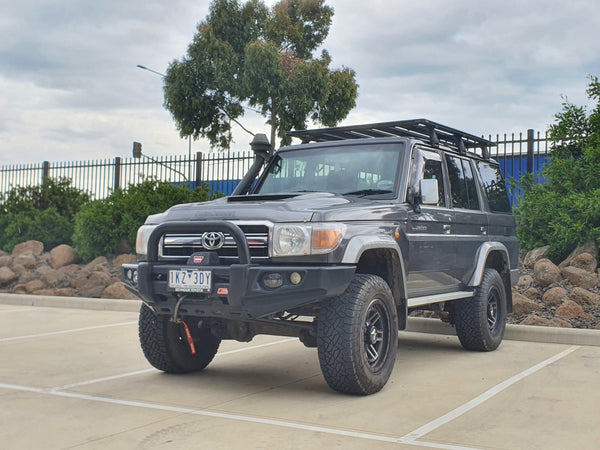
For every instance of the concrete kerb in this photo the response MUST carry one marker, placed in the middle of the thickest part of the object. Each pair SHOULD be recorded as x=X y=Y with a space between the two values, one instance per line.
x=552 y=335
x=101 y=304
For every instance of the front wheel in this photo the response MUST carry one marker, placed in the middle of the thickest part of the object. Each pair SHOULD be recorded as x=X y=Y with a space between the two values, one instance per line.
x=166 y=347
x=357 y=336
x=481 y=320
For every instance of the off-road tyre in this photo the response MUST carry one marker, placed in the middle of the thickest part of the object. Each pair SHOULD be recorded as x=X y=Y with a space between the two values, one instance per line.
x=357 y=336
x=481 y=320
x=166 y=347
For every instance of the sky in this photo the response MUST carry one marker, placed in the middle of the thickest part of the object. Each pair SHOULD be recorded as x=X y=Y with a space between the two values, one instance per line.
x=70 y=88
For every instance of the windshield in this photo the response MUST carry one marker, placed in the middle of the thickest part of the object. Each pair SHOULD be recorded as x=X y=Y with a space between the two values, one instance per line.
x=348 y=170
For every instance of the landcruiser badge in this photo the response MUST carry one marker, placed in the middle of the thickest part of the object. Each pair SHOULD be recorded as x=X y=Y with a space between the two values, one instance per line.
x=213 y=240
x=198 y=259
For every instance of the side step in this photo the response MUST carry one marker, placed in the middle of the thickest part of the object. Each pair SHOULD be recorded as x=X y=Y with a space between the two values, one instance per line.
x=429 y=299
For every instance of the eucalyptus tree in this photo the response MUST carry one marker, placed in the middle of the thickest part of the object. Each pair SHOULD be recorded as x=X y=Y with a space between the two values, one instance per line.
x=249 y=55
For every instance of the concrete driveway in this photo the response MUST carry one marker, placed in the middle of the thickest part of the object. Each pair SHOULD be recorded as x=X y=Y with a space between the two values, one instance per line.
x=76 y=378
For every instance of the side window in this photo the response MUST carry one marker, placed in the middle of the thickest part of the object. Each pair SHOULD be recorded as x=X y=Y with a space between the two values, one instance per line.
x=427 y=165
x=494 y=187
x=462 y=183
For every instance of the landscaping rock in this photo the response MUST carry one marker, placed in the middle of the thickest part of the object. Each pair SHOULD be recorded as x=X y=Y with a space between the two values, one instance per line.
x=118 y=290
x=25 y=276
x=34 y=285
x=580 y=278
x=26 y=259
x=7 y=276
x=589 y=247
x=62 y=255
x=125 y=258
x=95 y=285
x=64 y=292
x=572 y=310
x=532 y=293
x=100 y=261
x=522 y=305
x=525 y=282
x=20 y=289
x=49 y=276
x=555 y=296
x=6 y=260
x=585 y=261
x=535 y=255
x=35 y=247
x=546 y=273
x=585 y=297
x=543 y=322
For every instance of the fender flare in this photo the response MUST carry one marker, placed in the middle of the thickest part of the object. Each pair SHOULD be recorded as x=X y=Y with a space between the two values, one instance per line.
x=360 y=244
x=482 y=255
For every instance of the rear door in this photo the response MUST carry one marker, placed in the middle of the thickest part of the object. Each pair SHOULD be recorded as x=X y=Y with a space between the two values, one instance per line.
x=470 y=228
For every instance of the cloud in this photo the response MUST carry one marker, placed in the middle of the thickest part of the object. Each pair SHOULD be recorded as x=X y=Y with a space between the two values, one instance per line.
x=69 y=86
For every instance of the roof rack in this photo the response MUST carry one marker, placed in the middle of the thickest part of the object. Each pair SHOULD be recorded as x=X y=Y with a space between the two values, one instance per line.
x=424 y=129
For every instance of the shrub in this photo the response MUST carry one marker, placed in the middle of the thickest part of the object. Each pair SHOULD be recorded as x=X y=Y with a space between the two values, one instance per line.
x=110 y=226
x=566 y=212
x=44 y=213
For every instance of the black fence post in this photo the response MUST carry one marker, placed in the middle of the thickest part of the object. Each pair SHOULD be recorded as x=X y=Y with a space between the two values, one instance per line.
x=117 y=183
x=530 y=150
x=45 y=172
x=198 y=169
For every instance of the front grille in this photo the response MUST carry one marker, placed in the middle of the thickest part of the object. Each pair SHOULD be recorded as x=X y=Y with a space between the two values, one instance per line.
x=179 y=245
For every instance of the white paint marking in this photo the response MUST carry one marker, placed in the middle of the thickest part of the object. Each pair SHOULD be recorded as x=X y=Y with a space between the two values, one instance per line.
x=100 y=380
x=268 y=344
x=443 y=420
x=203 y=412
x=409 y=439
x=140 y=372
x=435 y=445
x=74 y=330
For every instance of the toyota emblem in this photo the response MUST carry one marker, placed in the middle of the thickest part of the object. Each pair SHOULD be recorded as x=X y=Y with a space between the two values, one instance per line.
x=213 y=240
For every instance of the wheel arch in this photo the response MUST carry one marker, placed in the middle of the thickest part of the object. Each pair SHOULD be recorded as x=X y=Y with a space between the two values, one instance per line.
x=493 y=255
x=383 y=257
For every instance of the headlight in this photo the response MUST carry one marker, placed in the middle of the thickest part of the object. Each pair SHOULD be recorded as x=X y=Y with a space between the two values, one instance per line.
x=141 y=243
x=305 y=239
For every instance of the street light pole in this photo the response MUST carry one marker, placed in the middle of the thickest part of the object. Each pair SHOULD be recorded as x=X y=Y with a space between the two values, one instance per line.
x=189 y=137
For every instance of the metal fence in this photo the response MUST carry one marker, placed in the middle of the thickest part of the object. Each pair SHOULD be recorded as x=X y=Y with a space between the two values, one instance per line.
x=221 y=171
x=517 y=154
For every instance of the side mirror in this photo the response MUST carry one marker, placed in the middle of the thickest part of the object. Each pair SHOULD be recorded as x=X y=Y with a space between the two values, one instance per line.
x=429 y=192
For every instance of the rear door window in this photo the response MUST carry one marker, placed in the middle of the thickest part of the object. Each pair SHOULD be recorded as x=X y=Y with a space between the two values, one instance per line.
x=462 y=183
x=494 y=187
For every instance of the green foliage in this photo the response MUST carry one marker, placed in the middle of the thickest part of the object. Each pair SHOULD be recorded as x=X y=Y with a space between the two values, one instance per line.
x=566 y=212
x=248 y=53
x=44 y=213
x=110 y=226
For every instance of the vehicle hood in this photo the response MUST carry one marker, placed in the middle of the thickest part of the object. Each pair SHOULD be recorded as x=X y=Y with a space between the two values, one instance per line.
x=319 y=206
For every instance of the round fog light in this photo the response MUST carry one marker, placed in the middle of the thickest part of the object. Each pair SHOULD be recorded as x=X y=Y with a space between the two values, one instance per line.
x=273 y=280
x=295 y=278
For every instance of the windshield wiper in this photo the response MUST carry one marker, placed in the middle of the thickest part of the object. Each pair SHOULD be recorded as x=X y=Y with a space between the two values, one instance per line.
x=364 y=192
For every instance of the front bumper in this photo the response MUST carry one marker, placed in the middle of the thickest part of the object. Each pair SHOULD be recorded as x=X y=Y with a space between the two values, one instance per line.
x=237 y=290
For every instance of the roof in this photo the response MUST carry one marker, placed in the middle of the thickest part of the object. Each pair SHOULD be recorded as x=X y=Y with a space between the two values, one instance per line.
x=432 y=132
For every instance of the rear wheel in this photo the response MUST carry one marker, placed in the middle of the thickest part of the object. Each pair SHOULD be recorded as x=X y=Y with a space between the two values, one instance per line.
x=481 y=320
x=357 y=336
x=166 y=347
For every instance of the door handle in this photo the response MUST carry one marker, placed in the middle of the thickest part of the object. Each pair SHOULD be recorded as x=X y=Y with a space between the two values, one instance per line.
x=483 y=231
x=447 y=229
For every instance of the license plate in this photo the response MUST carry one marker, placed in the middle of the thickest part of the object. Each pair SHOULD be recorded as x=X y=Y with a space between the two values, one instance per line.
x=190 y=280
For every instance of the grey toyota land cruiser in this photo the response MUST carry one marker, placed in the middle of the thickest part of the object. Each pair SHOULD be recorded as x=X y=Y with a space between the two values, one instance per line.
x=334 y=241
